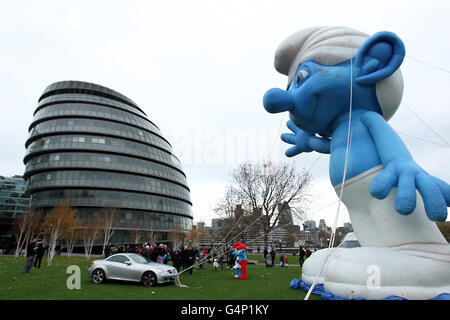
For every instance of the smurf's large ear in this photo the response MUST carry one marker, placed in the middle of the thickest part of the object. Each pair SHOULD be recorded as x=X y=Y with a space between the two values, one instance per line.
x=378 y=58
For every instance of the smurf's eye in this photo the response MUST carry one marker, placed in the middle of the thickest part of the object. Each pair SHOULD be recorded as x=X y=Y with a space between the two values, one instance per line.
x=302 y=75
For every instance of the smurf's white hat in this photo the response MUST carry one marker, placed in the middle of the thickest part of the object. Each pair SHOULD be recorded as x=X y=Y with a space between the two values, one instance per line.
x=331 y=46
x=325 y=45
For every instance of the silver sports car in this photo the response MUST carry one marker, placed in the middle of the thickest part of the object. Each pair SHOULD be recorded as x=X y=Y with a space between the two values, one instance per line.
x=131 y=267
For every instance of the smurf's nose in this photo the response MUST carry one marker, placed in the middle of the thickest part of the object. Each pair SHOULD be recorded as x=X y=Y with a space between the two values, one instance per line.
x=276 y=100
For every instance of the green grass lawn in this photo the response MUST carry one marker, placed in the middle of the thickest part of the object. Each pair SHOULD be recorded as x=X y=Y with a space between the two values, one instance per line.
x=49 y=282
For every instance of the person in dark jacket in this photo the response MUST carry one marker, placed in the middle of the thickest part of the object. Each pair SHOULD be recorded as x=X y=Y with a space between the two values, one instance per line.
x=182 y=253
x=154 y=253
x=31 y=251
x=39 y=254
x=190 y=259
x=301 y=254
x=177 y=259
x=272 y=255
x=160 y=253
x=108 y=250
x=230 y=259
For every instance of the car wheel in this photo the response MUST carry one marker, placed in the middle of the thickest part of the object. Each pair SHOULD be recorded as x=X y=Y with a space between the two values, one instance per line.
x=149 y=278
x=98 y=276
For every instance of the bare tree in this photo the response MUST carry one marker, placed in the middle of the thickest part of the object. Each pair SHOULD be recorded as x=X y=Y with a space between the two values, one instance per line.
x=266 y=189
x=324 y=238
x=137 y=234
x=108 y=223
x=72 y=235
x=193 y=236
x=234 y=218
x=57 y=223
x=177 y=236
x=290 y=238
x=152 y=235
x=226 y=208
x=25 y=227
x=91 y=232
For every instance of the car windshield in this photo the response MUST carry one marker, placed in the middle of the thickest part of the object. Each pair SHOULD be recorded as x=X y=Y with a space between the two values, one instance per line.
x=139 y=259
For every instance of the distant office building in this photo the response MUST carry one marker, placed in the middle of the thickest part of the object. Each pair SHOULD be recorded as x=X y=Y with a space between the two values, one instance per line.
x=323 y=226
x=13 y=201
x=12 y=197
x=285 y=217
x=310 y=224
x=200 y=225
x=97 y=147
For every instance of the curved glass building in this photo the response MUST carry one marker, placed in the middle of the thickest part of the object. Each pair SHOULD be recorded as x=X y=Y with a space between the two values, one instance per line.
x=98 y=148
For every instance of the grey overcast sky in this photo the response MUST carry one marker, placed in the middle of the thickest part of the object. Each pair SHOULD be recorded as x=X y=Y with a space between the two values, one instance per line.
x=199 y=70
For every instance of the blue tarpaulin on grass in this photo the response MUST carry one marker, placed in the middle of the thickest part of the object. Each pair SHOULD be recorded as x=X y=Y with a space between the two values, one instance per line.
x=319 y=289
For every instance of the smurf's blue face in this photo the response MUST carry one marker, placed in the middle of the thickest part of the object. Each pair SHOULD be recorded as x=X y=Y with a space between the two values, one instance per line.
x=320 y=94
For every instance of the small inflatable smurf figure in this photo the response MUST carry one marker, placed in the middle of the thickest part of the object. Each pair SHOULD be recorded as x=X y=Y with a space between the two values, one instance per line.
x=343 y=87
x=240 y=267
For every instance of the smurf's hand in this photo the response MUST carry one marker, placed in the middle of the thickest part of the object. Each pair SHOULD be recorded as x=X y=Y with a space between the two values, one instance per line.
x=402 y=171
x=409 y=176
x=303 y=141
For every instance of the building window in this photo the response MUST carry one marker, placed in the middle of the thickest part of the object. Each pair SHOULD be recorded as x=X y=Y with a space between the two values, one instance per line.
x=98 y=140
x=49 y=176
x=56 y=157
x=78 y=139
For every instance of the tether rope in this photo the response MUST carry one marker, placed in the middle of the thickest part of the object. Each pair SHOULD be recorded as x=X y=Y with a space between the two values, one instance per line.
x=204 y=259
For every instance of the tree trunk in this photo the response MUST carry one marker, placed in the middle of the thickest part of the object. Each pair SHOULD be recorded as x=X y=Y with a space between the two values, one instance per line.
x=71 y=244
x=266 y=238
x=51 y=253
x=20 y=243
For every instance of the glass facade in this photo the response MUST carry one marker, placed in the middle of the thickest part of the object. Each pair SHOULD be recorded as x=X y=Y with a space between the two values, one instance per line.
x=98 y=148
x=12 y=197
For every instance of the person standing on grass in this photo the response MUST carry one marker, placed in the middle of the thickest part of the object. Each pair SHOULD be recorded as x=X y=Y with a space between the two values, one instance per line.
x=301 y=256
x=281 y=261
x=31 y=250
x=177 y=259
x=190 y=259
x=183 y=257
x=39 y=254
x=272 y=255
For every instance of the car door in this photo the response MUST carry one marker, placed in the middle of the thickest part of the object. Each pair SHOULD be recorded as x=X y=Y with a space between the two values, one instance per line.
x=119 y=269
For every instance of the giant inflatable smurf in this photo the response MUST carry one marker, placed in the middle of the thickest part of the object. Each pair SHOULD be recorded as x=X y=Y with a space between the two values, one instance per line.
x=239 y=250
x=343 y=87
